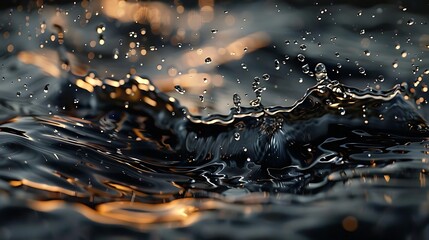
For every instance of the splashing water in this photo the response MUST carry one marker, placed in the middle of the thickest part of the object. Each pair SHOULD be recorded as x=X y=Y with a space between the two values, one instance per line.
x=88 y=153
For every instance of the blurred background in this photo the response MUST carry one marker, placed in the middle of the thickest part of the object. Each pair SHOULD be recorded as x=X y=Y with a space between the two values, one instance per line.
x=213 y=49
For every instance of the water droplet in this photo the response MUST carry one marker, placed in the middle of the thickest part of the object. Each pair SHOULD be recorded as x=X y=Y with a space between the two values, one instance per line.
x=395 y=64
x=410 y=22
x=236 y=99
x=236 y=136
x=380 y=78
x=208 y=60
x=362 y=32
x=214 y=31
x=320 y=71
x=46 y=88
x=404 y=54
x=361 y=70
x=367 y=53
x=18 y=94
x=305 y=69
x=342 y=111
x=337 y=54
x=75 y=101
x=201 y=98
x=415 y=69
x=339 y=65
x=266 y=76
x=397 y=46
x=303 y=47
x=276 y=64
x=359 y=13
x=301 y=57
x=243 y=66
x=101 y=28
x=179 y=89
x=115 y=53
x=287 y=42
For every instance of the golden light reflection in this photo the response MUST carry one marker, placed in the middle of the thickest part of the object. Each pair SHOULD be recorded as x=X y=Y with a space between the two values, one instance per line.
x=48 y=61
x=45 y=187
x=350 y=223
x=195 y=82
x=157 y=15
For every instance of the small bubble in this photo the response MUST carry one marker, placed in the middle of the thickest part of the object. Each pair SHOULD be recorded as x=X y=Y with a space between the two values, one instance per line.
x=208 y=60
x=362 y=32
x=367 y=53
x=342 y=111
x=395 y=64
x=410 y=22
x=266 y=76
x=397 y=46
x=205 y=80
x=337 y=54
x=243 y=66
x=179 y=89
x=361 y=70
x=287 y=42
x=18 y=94
x=359 y=13
x=301 y=57
x=46 y=88
x=404 y=54
x=339 y=65
x=75 y=101
x=201 y=98
x=236 y=136
x=276 y=64
x=214 y=31
x=303 y=47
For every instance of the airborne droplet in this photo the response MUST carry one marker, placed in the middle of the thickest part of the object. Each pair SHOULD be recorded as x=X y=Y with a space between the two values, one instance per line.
x=236 y=136
x=320 y=71
x=46 y=88
x=367 y=53
x=301 y=57
x=380 y=78
x=179 y=89
x=266 y=77
x=236 y=99
x=276 y=64
x=305 y=69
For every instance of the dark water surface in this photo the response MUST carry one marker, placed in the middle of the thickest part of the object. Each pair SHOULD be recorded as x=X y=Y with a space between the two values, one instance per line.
x=214 y=120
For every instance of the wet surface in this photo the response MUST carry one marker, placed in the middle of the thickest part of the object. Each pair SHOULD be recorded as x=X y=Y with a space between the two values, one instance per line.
x=161 y=120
